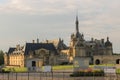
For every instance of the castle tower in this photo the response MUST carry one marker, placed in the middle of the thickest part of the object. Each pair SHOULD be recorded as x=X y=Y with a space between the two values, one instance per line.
x=78 y=35
x=108 y=45
x=77 y=47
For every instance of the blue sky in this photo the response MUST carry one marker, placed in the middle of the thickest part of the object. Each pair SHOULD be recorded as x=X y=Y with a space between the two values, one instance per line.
x=24 y=20
x=2 y=1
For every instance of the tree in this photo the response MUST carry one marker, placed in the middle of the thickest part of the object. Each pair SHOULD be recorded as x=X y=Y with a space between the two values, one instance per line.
x=1 y=57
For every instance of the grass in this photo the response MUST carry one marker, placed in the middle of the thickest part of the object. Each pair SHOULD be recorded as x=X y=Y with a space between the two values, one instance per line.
x=58 y=67
x=20 y=69
x=102 y=65
x=15 y=69
x=62 y=67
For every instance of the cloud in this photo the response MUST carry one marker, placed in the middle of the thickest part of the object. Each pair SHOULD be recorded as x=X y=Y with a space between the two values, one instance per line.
x=85 y=7
x=38 y=6
x=15 y=6
x=98 y=18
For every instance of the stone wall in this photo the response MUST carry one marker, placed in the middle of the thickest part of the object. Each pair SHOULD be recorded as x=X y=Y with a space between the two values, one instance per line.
x=106 y=59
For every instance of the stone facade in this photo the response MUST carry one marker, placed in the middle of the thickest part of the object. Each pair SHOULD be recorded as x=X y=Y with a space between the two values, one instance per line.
x=94 y=49
x=34 y=55
x=16 y=58
x=55 y=52
x=107 y=59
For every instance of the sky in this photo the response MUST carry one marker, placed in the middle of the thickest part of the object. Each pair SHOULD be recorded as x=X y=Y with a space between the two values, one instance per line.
x=22 y=21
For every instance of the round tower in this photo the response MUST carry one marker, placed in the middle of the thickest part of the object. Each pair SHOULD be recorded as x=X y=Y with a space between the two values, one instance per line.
x=108 y=45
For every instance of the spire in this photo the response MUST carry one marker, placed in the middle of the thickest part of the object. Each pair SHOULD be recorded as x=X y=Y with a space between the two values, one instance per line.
x=107 y=38
x=78 y=35
x=77 y=24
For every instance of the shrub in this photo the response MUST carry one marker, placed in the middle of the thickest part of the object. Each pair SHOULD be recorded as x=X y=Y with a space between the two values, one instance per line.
x=118 y=71
x=5 y=70
x=88 y=72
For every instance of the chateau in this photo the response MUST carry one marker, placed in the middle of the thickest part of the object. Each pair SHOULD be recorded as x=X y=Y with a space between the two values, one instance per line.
x=54 y=52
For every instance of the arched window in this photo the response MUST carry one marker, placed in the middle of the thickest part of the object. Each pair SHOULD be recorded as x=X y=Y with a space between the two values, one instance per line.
x=97 y=61
x=42 y=52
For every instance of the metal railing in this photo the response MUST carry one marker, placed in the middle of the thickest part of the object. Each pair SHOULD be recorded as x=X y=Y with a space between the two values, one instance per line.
x=54 y=76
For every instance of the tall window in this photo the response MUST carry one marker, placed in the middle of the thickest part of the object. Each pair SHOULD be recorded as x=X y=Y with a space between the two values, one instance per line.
x=33 y=64
x=117 y=61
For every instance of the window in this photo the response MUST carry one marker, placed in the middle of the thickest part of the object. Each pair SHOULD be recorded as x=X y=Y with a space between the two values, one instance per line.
x=33 y=64
x=97 y=61
x=117 y=61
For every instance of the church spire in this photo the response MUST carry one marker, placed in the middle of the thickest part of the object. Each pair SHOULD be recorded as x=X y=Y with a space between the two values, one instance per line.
x=77 y=24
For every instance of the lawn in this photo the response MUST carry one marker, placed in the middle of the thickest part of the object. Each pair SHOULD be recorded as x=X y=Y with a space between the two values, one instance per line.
x=58 y=67
x=15 y=69
x=62 y=67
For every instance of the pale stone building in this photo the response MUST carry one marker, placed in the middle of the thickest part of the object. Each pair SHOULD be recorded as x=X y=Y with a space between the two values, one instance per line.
x=34 y=55
x=93 y=49
x=62 y=50
x=16 y=58
x=55 y=52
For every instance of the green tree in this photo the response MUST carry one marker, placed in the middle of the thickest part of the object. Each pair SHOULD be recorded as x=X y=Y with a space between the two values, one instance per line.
x=1 y=57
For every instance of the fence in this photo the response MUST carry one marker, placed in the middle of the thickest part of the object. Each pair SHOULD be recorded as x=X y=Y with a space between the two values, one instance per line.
x=53 y=76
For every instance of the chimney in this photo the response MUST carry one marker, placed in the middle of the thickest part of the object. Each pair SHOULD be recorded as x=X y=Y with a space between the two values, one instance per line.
x=37 y=40
x=33 y=41
x=46 y=41
x=92 y=39
x=18 y=47
x=102 y=40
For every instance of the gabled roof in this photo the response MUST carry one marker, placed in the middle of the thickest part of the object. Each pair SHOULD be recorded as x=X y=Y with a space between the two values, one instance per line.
x=36 y=46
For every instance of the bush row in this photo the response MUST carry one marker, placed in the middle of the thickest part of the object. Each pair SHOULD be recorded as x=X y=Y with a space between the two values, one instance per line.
x=88 y=72
x=78 y=74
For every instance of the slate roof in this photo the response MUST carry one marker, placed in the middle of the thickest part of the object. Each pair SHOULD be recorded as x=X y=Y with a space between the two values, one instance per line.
x=11 y=50
x=36 y=46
